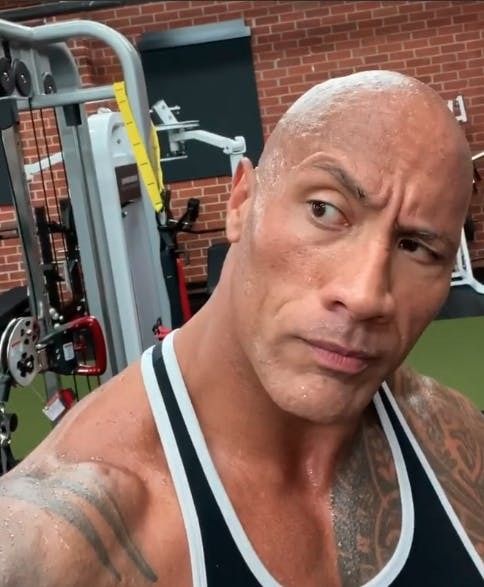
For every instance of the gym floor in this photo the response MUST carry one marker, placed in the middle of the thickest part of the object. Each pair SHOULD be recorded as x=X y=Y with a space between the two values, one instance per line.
x=452 y=347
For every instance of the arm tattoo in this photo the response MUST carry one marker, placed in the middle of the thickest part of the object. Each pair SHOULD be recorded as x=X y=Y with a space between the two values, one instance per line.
x=451 y=432
x=366 y=507
x=53 y=494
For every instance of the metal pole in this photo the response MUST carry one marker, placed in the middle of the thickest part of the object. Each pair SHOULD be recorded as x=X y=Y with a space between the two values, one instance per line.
x=38 y=298
x=128 y=56
x=64 y=98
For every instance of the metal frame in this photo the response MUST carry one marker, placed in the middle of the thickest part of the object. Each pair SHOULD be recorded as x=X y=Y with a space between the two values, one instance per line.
x=179 y=132
x=111 y=149
x=42 y=48
x=463 y=274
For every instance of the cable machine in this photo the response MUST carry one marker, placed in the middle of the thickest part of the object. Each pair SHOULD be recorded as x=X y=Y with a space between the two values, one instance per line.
x=41 y=78
x=463 y=273
x=92 y=308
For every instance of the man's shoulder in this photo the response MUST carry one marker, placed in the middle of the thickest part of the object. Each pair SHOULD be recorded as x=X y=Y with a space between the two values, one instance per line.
x=113 y=424
x=447 y=424
x=104 y=523
x=104 y=450
x=68 y=511
x=426 y=403
x=97 y=489
x=450 y=431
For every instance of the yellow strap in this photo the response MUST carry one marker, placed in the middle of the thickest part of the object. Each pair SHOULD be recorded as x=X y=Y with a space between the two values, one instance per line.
x=157 y=156
x=152 y=178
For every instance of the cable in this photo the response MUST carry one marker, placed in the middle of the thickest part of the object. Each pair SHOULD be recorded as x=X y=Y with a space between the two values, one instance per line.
x=64 y=241
x=81 y=274
x=76 y=389
x=57 y=205
x=83 y=293
x=46 y=203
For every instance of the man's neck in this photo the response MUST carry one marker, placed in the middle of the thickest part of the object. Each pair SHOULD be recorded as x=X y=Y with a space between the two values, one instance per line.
x=239 y=419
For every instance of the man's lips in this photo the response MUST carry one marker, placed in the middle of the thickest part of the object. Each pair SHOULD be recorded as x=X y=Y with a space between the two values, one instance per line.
x=340 y=358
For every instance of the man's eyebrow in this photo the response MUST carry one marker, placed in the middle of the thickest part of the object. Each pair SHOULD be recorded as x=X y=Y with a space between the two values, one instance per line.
x=344 y=178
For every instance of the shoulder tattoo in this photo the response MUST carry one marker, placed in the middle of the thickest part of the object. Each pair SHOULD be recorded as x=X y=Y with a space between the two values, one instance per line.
x=65 y=497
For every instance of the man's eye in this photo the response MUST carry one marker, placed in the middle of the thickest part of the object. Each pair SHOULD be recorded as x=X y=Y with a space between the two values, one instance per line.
x=327 y=213
x=417 y=249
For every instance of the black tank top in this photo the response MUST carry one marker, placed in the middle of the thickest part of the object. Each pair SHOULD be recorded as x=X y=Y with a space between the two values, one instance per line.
x=433 y=549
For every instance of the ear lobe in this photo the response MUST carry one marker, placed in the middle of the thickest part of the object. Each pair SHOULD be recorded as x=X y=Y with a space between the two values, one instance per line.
x=238 y=202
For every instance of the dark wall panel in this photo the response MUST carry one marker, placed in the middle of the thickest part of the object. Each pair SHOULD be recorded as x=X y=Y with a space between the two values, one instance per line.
x=212 y=82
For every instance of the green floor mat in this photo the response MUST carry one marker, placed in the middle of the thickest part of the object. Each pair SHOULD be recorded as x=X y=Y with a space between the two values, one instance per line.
x=27 y=403
x=452 y=351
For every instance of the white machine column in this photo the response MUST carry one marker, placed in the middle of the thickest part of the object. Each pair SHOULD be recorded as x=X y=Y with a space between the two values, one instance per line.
x=140 y=295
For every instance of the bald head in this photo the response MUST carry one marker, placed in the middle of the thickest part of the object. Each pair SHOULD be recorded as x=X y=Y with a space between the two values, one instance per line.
x=379 y=112
x=334 y=95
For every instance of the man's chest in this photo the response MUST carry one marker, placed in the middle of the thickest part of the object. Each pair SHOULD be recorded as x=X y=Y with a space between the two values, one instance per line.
x=305 y=538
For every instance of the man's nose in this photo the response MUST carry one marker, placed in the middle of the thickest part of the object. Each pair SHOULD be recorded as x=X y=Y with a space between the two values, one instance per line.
x=363 y=285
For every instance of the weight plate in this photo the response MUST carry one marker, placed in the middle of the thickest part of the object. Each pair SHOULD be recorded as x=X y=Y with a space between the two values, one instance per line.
x=7 y=80
x=49 y=83
x=22 y=360
x=23 y=79
x=3 y=345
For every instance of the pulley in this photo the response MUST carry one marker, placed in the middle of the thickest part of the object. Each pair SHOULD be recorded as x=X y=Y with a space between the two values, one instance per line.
x=22 y=357
x=23 y=79
x=23 y=354
x=7 y=79
x=48 y=82
x=4 y=346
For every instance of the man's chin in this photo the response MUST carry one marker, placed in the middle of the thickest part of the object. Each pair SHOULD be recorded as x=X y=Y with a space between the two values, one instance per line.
x=334 y=404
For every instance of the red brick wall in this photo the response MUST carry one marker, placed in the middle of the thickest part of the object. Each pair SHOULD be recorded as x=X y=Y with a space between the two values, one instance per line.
x=298 y=44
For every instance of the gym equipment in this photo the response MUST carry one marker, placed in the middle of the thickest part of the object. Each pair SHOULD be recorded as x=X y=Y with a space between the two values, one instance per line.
x=458 y=108
x=181 y=131
x=114 y=139
x=23 y=80
x=463 y=274
x=118 y=157
x=24 y=354
x=7 y=81
x=116 y=244
x=13 y=303
x=172 y=259
x=73 y=272
x=122 y=212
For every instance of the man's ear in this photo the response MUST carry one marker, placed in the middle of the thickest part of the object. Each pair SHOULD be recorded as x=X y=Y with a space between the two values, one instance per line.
x=239 y=201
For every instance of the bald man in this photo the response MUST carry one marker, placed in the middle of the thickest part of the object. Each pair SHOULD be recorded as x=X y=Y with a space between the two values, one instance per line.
x=275 y=440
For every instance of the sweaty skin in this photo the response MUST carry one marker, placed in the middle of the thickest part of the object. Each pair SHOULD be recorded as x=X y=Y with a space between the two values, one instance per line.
x=343 y=242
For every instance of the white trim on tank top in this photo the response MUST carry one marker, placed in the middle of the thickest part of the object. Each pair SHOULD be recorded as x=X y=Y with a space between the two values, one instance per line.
x=177 y=470
x=396 y=562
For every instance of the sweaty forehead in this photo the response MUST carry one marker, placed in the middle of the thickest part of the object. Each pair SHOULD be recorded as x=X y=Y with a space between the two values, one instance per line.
x=370 y=123
x=380 y=122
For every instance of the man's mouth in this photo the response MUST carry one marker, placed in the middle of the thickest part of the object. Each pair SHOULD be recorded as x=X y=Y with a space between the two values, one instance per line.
x=339 y=358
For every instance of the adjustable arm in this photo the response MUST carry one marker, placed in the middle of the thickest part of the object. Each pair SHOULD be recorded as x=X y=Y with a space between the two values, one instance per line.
x=233 y=147
x=179 y=132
